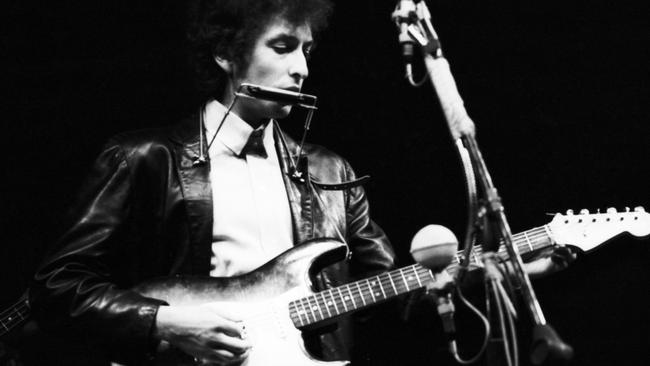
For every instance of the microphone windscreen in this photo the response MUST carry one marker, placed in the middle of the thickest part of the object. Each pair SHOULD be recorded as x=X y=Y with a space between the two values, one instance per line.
x=434 y=247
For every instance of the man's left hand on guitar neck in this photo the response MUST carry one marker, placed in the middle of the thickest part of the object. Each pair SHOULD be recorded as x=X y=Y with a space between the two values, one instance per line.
x=550 y=261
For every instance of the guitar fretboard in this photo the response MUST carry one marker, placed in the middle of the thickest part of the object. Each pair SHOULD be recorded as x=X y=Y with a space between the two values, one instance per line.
x=356 y=295
x=14 y=315
x=526 y=242
x=344 y=299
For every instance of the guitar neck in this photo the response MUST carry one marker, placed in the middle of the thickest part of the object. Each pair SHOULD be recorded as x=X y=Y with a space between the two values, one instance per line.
x=330 y=303
x=344 y=299
x=526 y=242
x=15 y=315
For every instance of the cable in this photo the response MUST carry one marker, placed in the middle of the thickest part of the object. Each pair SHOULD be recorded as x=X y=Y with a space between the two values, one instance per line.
x=409 y=77
x=486 y=325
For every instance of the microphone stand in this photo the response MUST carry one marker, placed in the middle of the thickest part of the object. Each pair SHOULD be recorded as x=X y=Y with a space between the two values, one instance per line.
x=547 y=347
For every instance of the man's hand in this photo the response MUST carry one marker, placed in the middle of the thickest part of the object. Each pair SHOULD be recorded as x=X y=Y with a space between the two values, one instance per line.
x=205 y=332
x=554 y=260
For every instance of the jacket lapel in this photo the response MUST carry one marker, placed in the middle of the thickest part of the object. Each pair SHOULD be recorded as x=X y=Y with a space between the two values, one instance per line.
x=300 y=197
x=197 y=193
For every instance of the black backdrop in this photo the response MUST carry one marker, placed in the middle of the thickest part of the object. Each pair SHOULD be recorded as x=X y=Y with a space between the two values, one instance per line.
x=558 y=90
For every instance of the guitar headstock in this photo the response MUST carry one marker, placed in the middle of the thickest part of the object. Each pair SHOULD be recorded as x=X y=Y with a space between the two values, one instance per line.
x=588 y=230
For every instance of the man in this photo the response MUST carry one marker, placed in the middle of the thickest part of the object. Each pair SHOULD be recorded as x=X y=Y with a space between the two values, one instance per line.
x=213 y=195
x=152 y=206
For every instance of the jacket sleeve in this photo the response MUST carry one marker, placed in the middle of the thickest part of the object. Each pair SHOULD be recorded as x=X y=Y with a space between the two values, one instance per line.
x=75 y=292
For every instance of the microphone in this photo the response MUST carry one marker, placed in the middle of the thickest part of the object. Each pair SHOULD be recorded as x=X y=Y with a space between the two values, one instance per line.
x=278 y=95
x=434 y=247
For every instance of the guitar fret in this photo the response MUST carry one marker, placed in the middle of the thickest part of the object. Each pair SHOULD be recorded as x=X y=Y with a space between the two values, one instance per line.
x=417 y=276
x=299 y=313
x=404 y=280
x=392 y=283
x=341 y=295
x=530 y=245
x=476 y=258
x=326 y=306
x=370 y=290
x=427 y=273
x=317 y=306
x=354 y=303
x=305 y=311
x=309 y=309
x=4 y=326
x=538 y=237
x=547 y=230
x=381 y=288
x=334 y=302
x=361 y=292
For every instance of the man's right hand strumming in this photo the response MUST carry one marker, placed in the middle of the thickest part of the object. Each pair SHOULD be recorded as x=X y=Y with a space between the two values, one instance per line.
x=205 y=332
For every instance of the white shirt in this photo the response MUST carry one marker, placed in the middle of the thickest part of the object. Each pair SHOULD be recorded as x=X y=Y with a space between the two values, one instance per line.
x=252 y=218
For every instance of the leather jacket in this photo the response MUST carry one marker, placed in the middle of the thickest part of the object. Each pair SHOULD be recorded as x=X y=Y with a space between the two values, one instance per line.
x=146 y=211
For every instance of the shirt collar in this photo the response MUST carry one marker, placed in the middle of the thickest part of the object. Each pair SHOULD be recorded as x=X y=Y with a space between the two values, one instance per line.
x=235 y=131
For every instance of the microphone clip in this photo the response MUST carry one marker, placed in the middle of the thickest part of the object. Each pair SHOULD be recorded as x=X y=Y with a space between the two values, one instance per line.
x=299 y=172
x=198 y=161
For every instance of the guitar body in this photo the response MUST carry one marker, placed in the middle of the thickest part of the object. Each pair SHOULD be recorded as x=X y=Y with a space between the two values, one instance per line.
x=261 y=298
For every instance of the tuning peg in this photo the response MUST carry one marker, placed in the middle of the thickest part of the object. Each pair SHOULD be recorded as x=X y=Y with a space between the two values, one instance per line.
x=569 y=212
x=611 y=210
x=639 y=209
x=627 y=209
x=584 y=211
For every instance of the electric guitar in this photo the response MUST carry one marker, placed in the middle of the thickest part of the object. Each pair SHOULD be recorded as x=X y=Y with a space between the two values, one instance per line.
x=276 y=300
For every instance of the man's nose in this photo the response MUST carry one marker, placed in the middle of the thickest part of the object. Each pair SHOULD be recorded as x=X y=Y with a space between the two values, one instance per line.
x=298 y=68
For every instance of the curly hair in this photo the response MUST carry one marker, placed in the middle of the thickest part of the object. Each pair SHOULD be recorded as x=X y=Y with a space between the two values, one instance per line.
x=229 y=29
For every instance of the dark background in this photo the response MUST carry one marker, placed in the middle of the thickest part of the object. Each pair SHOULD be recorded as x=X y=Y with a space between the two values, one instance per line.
x=558 y=90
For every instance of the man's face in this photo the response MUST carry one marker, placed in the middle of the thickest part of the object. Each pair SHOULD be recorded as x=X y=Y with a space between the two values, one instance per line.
x=278 y=59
